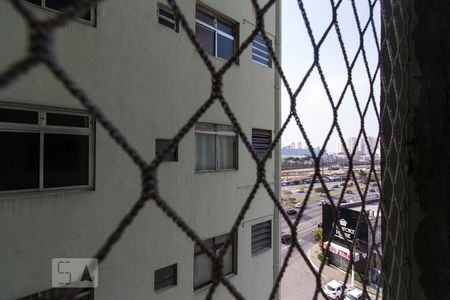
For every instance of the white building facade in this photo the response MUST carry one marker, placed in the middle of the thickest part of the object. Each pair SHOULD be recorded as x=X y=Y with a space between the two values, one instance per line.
x=65 y=184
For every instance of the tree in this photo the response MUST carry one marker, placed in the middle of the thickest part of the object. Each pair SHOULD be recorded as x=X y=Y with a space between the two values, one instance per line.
x=318 y=234
x=319 y=189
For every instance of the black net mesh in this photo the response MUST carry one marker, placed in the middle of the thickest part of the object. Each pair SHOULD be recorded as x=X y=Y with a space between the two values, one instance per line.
x=393 y=23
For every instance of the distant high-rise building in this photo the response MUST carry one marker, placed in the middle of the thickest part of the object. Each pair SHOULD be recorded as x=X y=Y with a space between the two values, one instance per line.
x=299 y=145
x=362 y=146
x=293 y=145
x=351 y=144
x=372 y=142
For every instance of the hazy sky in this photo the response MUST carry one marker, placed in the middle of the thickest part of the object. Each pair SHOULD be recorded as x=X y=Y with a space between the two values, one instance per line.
x=313 y=105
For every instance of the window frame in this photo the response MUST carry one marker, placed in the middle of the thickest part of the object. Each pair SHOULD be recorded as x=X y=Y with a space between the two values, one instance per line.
x=216 y=133
x=269 y=65
x=43 y=129
x=93 y=12
x=215 y=248
x=166 y=8
x=218 y=18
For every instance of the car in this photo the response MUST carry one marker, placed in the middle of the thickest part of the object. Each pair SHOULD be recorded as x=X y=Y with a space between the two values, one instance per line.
x=372 y=190
x=349 y=192
x=333 y=289
x=319 y=224
x=291 y=211
x=286 y=238
x=298 y=205
x=300 y=191
x=355 y=294
x=335 y=186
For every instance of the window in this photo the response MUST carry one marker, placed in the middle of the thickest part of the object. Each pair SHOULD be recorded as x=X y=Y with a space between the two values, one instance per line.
x=261 y=237
x=162 y=144
x=203 y=267
x=165 y=277
x=261 y=140
x=215 y=35
x=43 y=149
x=166 y=17
x=260 y=51
x=60 y=5
x=216 y=147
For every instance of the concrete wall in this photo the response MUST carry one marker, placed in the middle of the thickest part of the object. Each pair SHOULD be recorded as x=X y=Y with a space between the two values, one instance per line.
x=416 y=139
x=149 y=80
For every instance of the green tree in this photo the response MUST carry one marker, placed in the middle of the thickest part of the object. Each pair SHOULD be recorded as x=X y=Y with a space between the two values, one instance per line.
x=318 y=234
x=319 y=189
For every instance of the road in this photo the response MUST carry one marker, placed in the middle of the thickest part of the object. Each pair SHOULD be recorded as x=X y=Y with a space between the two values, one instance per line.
x=298 y=281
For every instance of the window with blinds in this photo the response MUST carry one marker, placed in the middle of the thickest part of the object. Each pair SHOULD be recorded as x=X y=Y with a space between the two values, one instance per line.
x=261 y=237
x=165 y=277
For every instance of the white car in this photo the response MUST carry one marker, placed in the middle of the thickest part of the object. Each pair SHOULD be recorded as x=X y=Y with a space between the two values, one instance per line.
x=333 y=289
x=298 y=205
x=355 y=294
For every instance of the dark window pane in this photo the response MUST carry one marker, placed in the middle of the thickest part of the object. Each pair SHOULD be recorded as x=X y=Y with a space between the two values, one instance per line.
x=67 y=120
x=61 y=4
x=225 y=28
x=165 y=277
x=161 y=145
x=205 y=18
x=166 y=23
x=66 y=160
x=19 y=161
x=167 y=14
x=206 y=38
x=18 y=116
x=225 y=47
x=37 y=2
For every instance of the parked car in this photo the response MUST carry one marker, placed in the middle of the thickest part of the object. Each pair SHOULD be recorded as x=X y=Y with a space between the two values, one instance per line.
x=291 y=211
x=298 y=205
x=372 y=190
x=286 y=238
x=335 y=186
x=349 y=192
x=333 y=289
x=355 y=294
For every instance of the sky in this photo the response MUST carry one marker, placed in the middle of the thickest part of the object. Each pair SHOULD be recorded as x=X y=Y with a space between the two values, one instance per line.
x=313 y=105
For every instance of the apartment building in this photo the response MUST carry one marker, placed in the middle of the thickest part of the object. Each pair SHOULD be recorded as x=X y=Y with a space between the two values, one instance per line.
x=65 y=184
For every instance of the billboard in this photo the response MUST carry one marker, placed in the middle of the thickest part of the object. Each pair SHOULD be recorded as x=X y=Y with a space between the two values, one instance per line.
x=348 y=220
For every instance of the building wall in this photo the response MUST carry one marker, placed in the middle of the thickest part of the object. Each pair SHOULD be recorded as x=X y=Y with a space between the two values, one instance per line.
x=148 y=80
